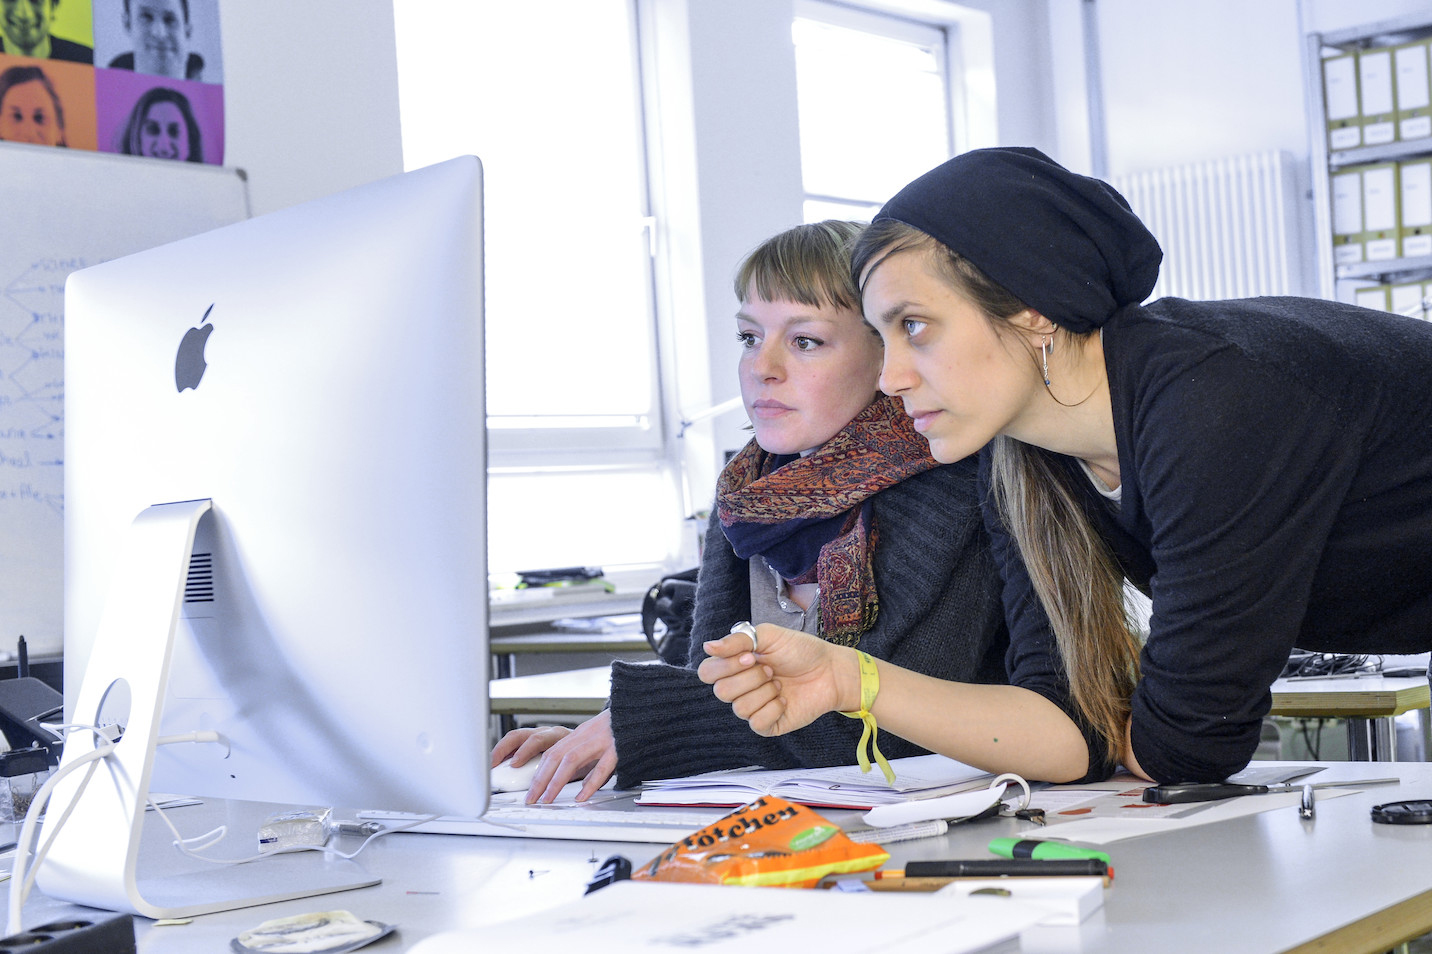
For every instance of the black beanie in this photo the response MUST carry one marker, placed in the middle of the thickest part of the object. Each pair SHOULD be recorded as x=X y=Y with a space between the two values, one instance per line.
x=1064 y=244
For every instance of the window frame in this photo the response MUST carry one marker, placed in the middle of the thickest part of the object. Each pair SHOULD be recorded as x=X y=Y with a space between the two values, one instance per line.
x=550 y=440
x=559 y=445
x=554 y=446
x=938 y=36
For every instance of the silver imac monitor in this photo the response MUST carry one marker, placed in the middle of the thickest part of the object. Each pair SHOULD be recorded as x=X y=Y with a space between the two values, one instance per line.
x=275 y=529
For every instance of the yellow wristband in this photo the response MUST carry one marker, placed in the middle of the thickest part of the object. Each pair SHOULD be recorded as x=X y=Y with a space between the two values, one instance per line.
x=869 y=689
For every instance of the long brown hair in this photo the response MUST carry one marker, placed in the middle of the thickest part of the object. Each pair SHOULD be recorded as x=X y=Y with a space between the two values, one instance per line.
x=1074 y=574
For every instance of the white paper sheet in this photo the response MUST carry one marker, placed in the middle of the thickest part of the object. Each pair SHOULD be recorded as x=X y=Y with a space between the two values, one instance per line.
x=630 y=917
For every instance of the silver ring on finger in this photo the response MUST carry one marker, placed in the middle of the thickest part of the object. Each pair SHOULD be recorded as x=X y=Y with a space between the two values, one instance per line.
x=746 y=629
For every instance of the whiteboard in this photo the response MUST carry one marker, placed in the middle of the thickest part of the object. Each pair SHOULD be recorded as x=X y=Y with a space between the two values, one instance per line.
x=67 y=209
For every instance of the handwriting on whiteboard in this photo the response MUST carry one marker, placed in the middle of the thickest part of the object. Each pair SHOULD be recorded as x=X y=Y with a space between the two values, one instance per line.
x=32 y=385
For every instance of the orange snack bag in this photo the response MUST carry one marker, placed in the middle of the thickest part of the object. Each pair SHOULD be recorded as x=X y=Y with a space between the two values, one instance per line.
x=769 y=842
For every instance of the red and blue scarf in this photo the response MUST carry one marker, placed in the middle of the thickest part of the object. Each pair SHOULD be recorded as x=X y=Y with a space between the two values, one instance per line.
x=811 y=516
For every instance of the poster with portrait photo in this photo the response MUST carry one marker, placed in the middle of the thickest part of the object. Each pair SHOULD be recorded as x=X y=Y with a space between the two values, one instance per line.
x=47 y=102
x=176 y=39
x=47 y=30
x=143 y=115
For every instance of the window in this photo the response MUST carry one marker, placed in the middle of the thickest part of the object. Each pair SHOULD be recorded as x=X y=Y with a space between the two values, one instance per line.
x=874 y=100
x=548 y=96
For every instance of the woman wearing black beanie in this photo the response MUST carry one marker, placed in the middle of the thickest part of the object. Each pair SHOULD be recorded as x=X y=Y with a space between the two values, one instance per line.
x=1261 y=468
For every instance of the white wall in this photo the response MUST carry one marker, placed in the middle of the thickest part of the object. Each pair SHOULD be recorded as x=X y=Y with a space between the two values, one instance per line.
x=1187 y=82
x=311 y=96
x=1024 y=82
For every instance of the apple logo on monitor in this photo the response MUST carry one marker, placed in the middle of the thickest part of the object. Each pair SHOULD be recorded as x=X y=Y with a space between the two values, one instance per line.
x=189 y=364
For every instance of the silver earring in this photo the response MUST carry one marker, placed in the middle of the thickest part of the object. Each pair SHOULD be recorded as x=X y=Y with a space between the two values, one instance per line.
x=1044 y=347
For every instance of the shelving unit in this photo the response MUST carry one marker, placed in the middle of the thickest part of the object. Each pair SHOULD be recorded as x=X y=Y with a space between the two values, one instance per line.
x=1335 y=280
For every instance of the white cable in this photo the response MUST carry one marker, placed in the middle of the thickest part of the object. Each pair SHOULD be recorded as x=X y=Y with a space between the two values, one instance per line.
x=53 y=831
x=22 y=880
x=107 y=733
x=181 y=843
x=386 y=831
x=214 y=835
x=23 y=872
x=187 y=847
x=19 y=880
x=203 y=735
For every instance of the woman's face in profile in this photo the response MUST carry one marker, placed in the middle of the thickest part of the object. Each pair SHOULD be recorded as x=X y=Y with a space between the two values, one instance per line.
x=27 y=114
x=805 y=371
x=163 y=133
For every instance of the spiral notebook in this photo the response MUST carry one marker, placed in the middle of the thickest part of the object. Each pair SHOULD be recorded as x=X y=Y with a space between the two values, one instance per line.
x=845 y=786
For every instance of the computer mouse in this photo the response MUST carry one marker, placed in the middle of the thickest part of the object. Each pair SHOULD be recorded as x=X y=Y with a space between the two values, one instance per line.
x=507 y=777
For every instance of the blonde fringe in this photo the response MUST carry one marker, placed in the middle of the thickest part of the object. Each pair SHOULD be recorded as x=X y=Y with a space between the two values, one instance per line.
x=1079 y=583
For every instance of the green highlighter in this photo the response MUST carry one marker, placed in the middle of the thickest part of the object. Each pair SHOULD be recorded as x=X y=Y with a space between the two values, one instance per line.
x=1042 y=850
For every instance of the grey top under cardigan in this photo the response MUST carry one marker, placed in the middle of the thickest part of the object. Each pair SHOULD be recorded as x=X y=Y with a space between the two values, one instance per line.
x=940 y=613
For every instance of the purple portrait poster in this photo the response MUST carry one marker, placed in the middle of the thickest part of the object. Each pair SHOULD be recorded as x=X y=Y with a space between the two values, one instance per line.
x=142 y=115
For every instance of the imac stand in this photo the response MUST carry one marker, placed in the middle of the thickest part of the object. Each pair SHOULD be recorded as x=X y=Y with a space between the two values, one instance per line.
x=95 y=857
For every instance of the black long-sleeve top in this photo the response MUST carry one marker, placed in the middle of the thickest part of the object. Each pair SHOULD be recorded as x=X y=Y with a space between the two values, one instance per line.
x=1276 y=466
x=939 y=614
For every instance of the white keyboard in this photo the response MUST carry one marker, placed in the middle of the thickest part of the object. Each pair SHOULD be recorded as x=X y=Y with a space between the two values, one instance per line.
x=598 y=822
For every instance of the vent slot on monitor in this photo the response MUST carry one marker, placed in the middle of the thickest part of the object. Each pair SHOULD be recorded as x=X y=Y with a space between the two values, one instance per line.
x=199 y=587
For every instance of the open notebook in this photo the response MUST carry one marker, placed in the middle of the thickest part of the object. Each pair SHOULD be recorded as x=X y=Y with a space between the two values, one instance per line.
x=845 y=786
x=670 y=809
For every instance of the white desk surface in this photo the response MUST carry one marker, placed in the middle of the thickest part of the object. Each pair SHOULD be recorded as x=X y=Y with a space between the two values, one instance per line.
x=543 y=604
x=1366 y=697
x=574 y=691
x=554 y=642
x=1262 y=883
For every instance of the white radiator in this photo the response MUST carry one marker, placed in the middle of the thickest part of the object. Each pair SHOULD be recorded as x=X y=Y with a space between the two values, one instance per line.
x=1228 y=227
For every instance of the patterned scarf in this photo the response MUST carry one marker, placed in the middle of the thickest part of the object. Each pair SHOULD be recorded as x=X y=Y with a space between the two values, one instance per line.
x=811 y=517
